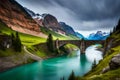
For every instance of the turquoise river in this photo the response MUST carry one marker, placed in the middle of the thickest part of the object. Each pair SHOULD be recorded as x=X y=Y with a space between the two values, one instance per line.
x=55 y=68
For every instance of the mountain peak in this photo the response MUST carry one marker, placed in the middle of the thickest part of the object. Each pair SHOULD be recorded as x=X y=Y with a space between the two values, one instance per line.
x=99 y=35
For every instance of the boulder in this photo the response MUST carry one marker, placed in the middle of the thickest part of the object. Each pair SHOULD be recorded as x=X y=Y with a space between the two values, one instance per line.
x=105 y=69
x=115 y=62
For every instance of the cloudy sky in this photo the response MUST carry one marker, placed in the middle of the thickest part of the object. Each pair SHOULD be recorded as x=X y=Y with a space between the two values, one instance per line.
x=85 y=16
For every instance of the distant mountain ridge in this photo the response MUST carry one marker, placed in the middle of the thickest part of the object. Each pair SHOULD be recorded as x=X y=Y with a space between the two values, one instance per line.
x=99 y=35
x=68 y=29
x=80 y=35
x=49 y=21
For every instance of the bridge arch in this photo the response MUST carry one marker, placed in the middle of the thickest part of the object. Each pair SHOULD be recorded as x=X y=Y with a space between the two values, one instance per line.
x=81 y=44
x=60 y=43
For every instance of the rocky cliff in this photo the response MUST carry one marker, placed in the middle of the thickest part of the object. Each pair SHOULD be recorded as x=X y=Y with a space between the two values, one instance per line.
x=15 y=16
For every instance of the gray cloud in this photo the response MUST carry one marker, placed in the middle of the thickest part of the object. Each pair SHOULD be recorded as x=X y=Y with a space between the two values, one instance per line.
x=81 y=14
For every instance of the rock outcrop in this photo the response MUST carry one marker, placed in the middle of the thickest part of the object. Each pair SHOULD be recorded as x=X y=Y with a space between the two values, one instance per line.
x=113 y=64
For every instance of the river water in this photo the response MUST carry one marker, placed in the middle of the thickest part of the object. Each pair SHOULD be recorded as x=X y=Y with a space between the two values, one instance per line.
x=55 y=68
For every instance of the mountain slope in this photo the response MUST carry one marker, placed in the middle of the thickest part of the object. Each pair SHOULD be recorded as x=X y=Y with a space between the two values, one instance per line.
x=68 y=29
x=15 y=16
x=80 y=35
x=49 y=21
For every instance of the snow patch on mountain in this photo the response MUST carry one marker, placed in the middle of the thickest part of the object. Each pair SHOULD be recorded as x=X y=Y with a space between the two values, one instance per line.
x=99 y=35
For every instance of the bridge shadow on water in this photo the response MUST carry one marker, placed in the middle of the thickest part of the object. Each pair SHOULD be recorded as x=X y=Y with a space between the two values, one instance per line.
x=83 y=63
x=83 y=59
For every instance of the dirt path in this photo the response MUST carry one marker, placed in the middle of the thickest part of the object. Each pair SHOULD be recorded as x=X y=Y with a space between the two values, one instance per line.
x=37 y=58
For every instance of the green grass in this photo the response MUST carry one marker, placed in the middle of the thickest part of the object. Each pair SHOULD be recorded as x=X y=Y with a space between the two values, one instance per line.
x=71 y=46
x=111 y=75
x=32 y=40
x=95 y=74
x=25 y=38
x=56 y=35
x=40 y=50
x=70 y=49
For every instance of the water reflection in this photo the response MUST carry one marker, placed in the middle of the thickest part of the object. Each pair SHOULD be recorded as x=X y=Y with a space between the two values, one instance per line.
x=83 y=60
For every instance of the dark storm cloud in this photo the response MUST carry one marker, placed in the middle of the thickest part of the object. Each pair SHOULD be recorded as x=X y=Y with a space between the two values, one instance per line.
x=92 y=14
x=86 y=9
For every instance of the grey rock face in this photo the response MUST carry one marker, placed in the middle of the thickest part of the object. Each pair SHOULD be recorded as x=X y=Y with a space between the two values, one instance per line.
x=105 y=69
x=115 y=62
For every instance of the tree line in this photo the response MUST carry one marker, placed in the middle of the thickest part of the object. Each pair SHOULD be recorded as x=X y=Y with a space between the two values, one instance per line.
x=116 y=29
x=16 y=42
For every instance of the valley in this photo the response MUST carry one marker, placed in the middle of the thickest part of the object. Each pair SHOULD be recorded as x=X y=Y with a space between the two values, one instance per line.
x=38 y=46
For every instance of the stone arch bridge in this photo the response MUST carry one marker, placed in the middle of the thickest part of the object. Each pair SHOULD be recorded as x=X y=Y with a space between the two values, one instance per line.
x=81 y=44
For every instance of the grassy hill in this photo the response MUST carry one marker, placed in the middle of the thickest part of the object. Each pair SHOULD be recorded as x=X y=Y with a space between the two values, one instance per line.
x=60 y=36
x=25 y=38
x=32 y=40
x=29 y=40
x=9 y=58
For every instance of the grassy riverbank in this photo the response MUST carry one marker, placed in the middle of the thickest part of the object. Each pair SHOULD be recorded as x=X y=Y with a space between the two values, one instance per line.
x=10 y=59
x=96 y=73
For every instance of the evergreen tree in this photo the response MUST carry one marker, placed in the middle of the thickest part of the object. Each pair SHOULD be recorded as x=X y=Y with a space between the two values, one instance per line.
x=110 y=32
x=72 y=76
x=50 y=44
x=16 y=42
x=116 y=29
x=13 y=38
x=94 y=64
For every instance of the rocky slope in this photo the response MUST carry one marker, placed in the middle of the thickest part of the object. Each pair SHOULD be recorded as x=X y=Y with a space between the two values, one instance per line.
x=15 y=16
x=49 y=21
